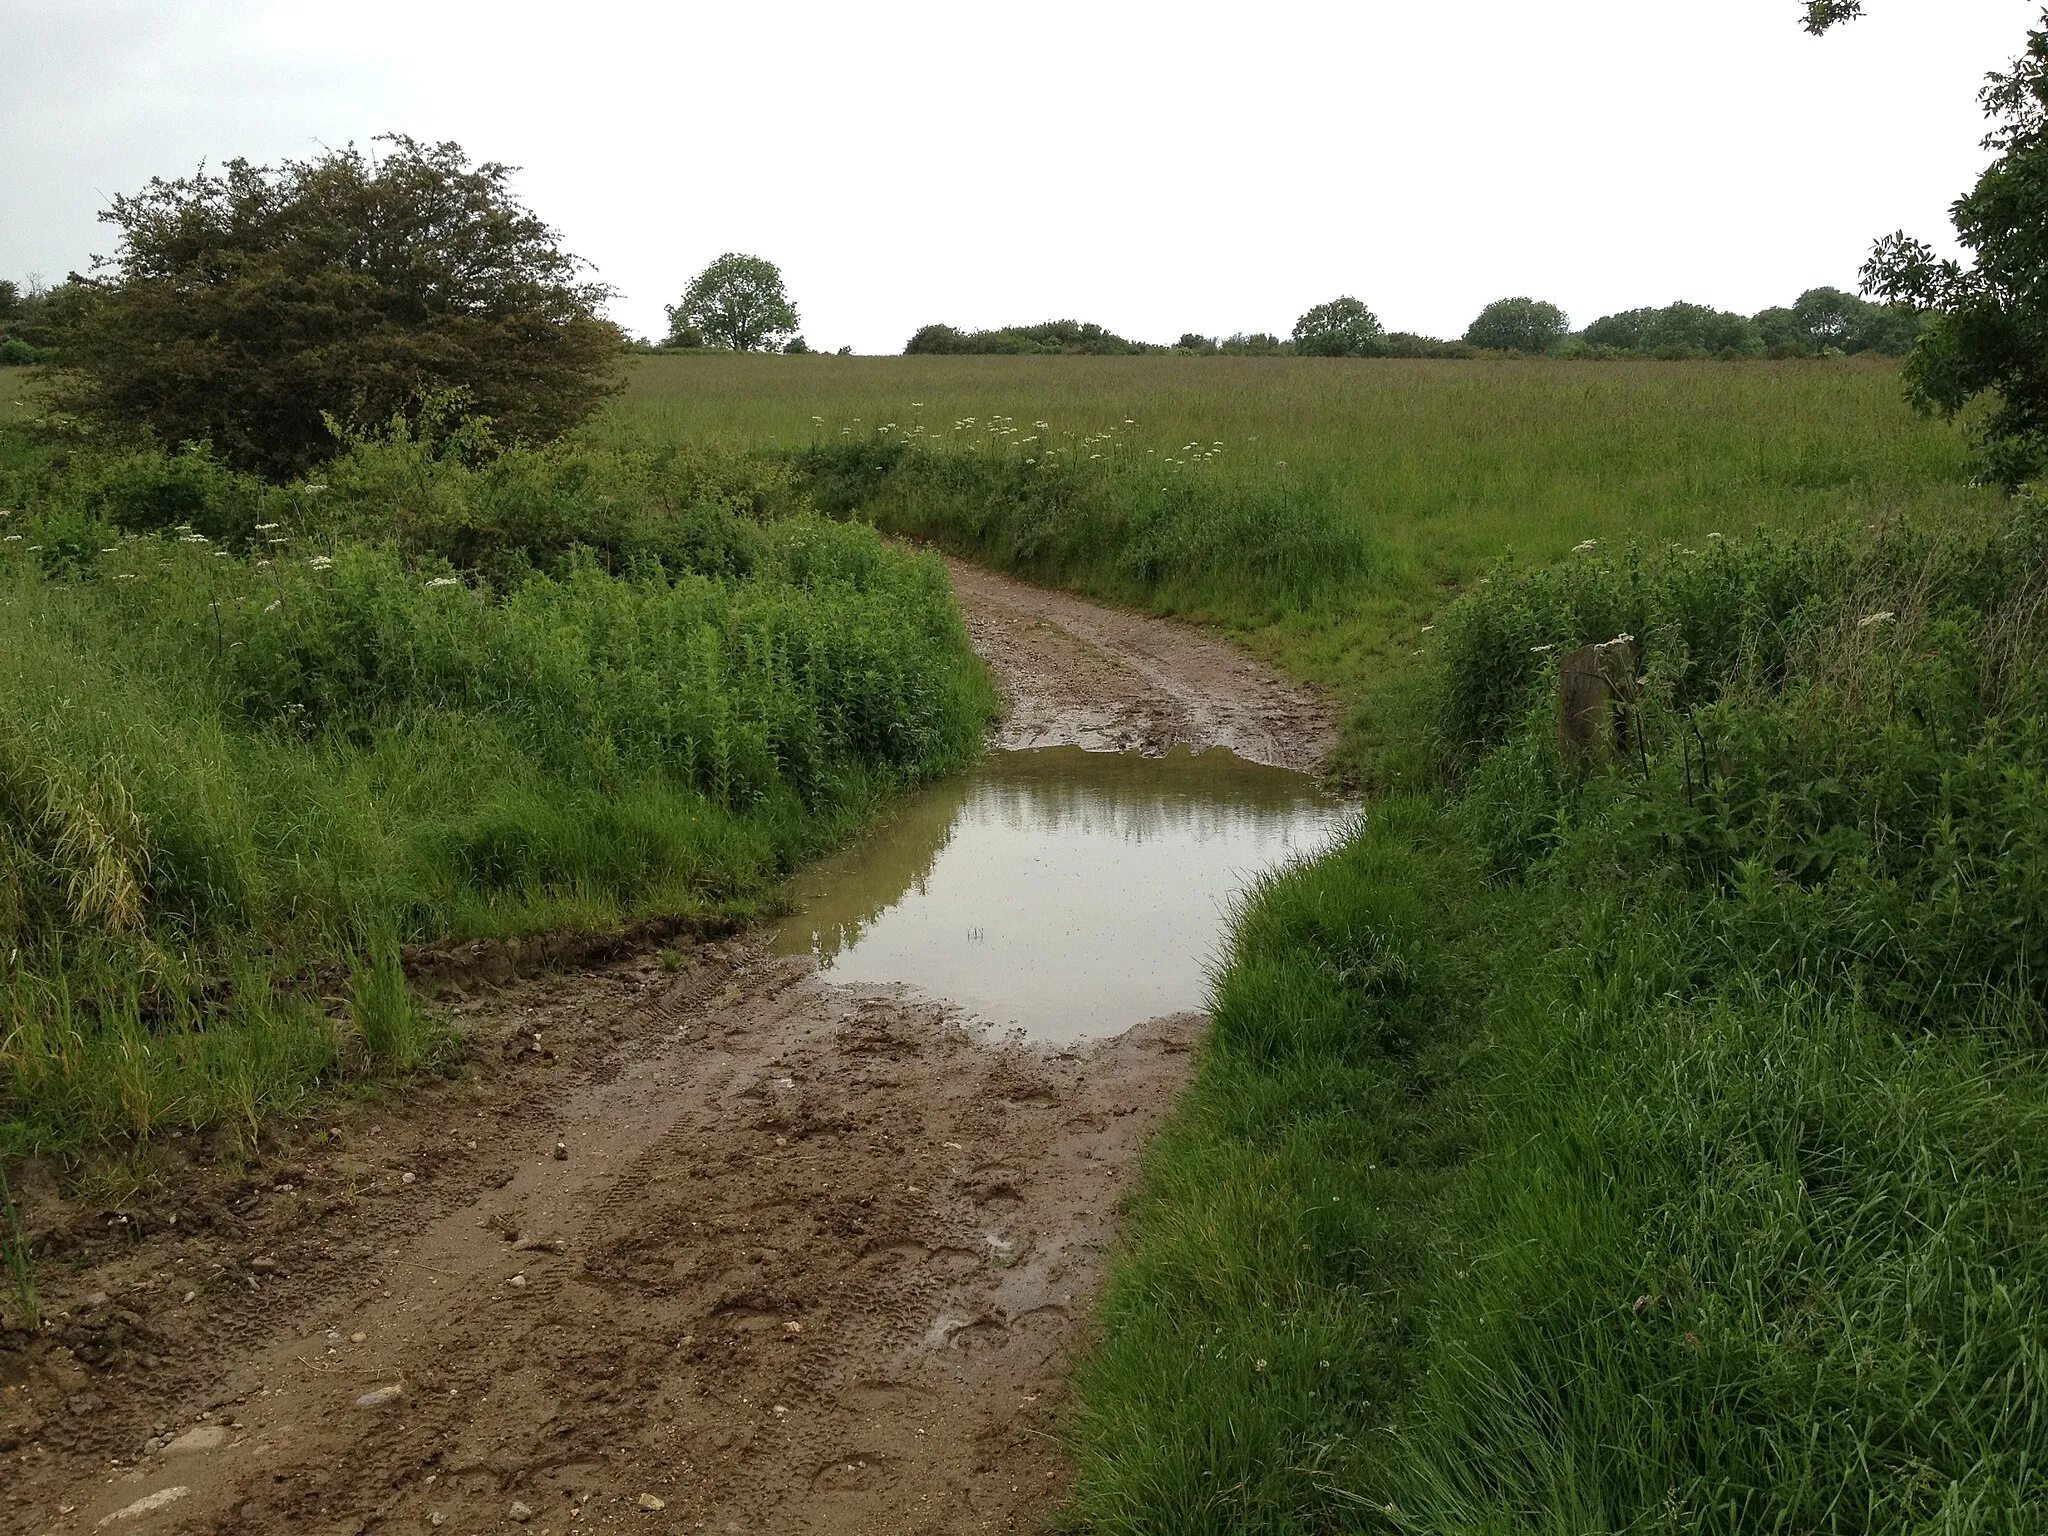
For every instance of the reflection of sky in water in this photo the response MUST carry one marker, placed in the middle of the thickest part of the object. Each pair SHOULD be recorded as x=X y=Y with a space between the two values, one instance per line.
x=1072 y=893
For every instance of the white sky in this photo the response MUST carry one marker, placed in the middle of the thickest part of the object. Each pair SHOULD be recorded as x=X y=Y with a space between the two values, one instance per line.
x=1156 y=167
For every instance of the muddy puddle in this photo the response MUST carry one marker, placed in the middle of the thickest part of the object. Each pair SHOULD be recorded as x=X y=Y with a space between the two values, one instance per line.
x=1069 y=894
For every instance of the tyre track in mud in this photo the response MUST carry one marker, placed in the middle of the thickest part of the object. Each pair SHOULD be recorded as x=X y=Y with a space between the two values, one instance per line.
x=728 y=1250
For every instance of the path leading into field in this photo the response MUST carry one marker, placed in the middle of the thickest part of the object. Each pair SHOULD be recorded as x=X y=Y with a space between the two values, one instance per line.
x=703 y=1245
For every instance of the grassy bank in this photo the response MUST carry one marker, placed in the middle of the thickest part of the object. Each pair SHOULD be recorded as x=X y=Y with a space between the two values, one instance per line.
x=1659 y=1148
x=1327 y=509
x=254 y=738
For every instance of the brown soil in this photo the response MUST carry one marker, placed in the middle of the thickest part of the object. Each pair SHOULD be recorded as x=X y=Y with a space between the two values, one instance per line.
x=1077 y=673
x=692 y=1241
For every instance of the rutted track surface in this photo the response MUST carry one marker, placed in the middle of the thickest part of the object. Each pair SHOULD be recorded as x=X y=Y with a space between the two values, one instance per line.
x=815 y=1257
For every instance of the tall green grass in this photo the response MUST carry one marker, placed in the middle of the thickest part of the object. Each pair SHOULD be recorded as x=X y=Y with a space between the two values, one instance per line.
x=1703 y=1170
x=433 y=695
x=1337 y=504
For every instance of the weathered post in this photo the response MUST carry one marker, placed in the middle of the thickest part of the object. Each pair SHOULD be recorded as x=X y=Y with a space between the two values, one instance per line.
x=1596 y=694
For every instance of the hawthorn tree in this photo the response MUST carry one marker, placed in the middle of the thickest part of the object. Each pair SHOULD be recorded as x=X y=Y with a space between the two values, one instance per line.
x=737 y=302
x=252 y=308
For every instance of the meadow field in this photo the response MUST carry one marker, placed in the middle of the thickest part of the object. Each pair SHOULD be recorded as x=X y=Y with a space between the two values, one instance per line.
x=1325 y=509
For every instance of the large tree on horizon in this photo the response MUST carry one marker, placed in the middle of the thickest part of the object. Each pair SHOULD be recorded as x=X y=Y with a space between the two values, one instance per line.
x=738 y=302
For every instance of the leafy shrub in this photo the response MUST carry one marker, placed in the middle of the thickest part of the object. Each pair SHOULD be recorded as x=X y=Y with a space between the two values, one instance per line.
x=250 y=308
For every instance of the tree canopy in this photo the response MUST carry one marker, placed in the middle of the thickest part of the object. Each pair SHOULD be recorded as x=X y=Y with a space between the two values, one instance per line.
x=1676 y=331
x=1519 y=325
x=1987 y=336
x=251 y=308
x=1823 y=14
x=738 y=302
x=1344 y=327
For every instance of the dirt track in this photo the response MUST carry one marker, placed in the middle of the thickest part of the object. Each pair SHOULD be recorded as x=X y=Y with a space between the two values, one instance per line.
x=779 y=1255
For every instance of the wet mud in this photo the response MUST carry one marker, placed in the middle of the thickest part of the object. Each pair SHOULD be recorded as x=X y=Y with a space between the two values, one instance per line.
x=708 y=1239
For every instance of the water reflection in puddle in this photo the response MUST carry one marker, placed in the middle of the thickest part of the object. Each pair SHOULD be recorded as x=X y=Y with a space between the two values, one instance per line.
x=1068 y=893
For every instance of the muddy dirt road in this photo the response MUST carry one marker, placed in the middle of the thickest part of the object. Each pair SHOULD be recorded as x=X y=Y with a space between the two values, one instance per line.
x=694 y=1241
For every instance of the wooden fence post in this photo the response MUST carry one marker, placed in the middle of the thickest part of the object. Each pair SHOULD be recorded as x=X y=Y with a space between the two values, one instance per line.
x=1596 y=696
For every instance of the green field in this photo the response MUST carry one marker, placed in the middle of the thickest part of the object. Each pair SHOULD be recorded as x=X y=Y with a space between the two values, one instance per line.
x=1404 y=481
x=1655 y=1145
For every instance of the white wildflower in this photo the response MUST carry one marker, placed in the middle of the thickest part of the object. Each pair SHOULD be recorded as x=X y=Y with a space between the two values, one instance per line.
x=1581 y=547
x=273 y=605
x=321 y=562
x=1882 y=616
x=445 y=581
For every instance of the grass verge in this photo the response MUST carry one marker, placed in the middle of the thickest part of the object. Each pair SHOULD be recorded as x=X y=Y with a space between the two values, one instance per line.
x=253 y=735
x=1696 y=1184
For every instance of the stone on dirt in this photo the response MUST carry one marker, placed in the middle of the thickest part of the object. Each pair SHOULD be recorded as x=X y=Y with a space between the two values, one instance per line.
x=149 y=1503
x=520 y=1512
x=381 y=1396
x=201 y=1437
x=649 y=1501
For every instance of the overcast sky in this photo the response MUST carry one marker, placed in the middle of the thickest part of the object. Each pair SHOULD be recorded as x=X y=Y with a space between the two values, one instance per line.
x=1158 y=168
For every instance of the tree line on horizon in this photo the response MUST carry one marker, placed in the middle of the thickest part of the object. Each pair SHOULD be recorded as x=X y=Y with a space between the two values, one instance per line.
x=1821 y=322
